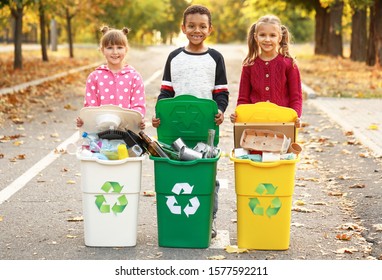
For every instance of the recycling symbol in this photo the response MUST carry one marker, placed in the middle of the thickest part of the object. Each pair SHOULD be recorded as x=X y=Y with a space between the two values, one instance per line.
x=272 y=209
x=187 y=117
x=102 y=203
x=172 y=203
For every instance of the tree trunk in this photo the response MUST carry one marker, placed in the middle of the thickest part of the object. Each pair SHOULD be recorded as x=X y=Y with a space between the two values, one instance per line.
x=69 y=31
x=370 y=54
x=18 y=16
x=335 y=30
x=321 y=29
x=358 y=35
x=53 y=35
x=44 y=52
x=378 y=31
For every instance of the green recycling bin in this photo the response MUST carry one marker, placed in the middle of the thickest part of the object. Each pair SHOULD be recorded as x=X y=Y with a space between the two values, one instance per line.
x=185 y=189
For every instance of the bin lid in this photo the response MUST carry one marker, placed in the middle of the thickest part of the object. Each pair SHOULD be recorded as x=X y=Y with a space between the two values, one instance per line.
x=264 y=112
x=186 y=117
x=104 y=117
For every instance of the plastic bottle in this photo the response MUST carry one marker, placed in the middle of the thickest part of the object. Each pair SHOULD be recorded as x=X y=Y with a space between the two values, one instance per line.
x=122 y=151
x=153 y=147
x=90 y=143
x=88 y=154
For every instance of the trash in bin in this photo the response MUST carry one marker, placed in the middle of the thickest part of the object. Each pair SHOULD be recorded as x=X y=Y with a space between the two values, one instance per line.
x=264 y=189
x=185 y=188
x=110 y=187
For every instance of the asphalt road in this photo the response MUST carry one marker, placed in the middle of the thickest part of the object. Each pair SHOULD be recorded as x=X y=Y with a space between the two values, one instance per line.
x=335 y=206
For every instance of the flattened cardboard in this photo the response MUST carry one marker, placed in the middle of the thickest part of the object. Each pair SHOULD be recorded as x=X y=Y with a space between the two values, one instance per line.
x=287 y=128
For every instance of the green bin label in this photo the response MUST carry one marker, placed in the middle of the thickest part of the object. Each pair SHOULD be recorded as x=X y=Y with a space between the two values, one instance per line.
x=102 y=204
x=255 y=205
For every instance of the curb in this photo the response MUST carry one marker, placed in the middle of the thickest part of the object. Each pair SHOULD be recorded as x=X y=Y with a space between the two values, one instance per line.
x=26 y=85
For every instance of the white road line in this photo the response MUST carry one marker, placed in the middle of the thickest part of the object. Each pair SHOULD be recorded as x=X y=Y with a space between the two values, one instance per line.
x=21 y=181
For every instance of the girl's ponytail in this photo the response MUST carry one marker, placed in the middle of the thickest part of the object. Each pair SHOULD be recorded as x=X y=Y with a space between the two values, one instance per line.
x=253 y=48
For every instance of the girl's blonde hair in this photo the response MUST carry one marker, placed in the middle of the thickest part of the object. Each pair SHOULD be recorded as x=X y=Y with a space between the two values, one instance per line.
x=253 y=46
x=113 y=36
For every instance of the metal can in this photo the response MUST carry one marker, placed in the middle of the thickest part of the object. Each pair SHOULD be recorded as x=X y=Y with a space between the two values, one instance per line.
x=178 y=144
x=189 y=154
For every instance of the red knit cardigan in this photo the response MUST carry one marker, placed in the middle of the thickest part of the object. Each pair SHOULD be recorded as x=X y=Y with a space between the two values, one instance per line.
x=277 y=81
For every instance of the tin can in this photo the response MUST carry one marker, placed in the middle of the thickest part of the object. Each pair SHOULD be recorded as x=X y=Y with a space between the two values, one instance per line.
x=189 y=154
x=178 y=144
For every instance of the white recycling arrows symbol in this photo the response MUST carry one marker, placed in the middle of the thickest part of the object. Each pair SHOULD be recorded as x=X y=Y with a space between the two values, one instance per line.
x=190 y=208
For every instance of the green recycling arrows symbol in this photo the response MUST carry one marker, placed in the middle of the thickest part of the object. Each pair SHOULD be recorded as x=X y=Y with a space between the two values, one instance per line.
x=102 y=203
x=273 y=208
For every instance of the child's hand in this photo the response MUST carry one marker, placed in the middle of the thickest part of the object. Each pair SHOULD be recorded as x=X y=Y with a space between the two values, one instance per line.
x=79 y=122
x=233 y=117
x=155 y=122
x=219 y=118
x=142 y=125
x=297 y=123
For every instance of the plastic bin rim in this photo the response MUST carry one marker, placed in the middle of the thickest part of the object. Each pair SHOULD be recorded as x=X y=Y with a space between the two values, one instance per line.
x=188 y=162
x=112 y=162
x=263 y=164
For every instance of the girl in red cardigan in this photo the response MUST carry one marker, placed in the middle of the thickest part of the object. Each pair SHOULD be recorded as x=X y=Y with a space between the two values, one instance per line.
x=269 y=73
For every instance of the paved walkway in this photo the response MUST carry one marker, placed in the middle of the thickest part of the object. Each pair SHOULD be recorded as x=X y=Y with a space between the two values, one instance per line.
x=361 y=116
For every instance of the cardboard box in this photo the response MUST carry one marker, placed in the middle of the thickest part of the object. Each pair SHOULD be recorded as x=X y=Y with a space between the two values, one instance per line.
x=287 y=128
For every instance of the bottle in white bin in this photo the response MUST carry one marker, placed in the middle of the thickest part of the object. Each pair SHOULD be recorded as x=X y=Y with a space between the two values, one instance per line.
x=90 y=142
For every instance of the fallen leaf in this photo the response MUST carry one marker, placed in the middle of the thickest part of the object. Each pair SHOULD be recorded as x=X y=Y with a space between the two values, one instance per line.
x=17 y=121
x=319 y=203
x=351 y=226
x=18 y=143
x=357 y=186
x=149 y=193
x=70 y=182
x=346 y=250
x=297 y=225
x=299 y=203
x=344 y=177
x=336 y=194
x=378 y=227
x=54 y=135
x=75 y=219
x=1 y=218
x=234 y=249
x=217 y=257
x=21 y=156
x=343 y=236
x=302 y=210
x=373 y=127
x=71 y=236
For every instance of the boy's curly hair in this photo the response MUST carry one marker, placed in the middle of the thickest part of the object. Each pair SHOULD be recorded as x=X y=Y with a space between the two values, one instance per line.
x=197 y=9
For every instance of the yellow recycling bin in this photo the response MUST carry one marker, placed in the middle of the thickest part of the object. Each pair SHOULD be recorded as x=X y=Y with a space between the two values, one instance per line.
x=264 y=189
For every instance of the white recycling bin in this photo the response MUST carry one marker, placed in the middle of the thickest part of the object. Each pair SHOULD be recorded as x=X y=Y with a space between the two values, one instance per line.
x=110 y=188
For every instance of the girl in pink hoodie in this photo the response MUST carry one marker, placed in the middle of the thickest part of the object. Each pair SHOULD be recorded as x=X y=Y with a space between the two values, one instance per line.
x=115 y=83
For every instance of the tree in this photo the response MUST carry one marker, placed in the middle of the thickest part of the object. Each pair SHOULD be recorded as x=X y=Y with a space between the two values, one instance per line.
x=378 y=31
x=335 y=28
x=359 y=31
x=41 y=11
x=17 y=9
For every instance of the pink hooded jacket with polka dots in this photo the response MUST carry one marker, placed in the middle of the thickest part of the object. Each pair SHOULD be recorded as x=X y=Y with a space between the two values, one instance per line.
x=124 y=88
